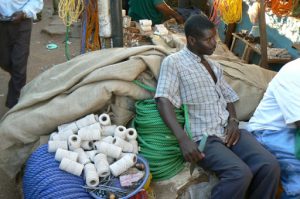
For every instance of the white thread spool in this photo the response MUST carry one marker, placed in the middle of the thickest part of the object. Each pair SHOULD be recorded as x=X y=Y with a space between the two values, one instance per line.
x=74 y=142
x=108 y=139
x=146 y=28
x=108 y=130
x=126 y=146
x=135 y=146
x=68 y=126
x=120 y=132
x=65 y=134
x=110 y=159
x=104 y=119
x=145 y=22
x=62 y=153
x=54 y=145
x=54 y=136
x=108 y=149
x=71 y=166
x=91 y=176
x=123 y=164
x=101 y=165
x=83 y=158
x=85 y=121
x=89 y=134
x=131 y=134
x=86 y=145
x=91 y=154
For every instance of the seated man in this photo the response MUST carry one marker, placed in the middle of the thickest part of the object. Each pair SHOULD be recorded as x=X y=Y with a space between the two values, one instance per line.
x=275 y=124
x=188 y=77
x=153 y=10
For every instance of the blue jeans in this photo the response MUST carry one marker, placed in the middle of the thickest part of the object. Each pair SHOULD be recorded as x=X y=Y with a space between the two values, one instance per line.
x=282 y=145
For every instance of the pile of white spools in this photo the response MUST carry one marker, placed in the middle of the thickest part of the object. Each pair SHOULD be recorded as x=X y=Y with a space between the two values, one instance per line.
x=94 y=146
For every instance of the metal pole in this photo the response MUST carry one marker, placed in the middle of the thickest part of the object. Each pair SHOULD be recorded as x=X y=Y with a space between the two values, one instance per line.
x=117 y=22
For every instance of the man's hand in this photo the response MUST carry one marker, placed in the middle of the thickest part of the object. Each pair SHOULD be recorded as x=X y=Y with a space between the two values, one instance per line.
x=232 y=133
x=190 y=151
x=17 y=17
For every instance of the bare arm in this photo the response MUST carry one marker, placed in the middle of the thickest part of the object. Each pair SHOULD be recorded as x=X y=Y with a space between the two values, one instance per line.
x=232 y=129
x=168 y=12
x=188 y=147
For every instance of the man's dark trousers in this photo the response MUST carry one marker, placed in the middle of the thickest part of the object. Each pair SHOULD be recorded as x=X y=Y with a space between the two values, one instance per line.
x=14 y=52
x=246 y=170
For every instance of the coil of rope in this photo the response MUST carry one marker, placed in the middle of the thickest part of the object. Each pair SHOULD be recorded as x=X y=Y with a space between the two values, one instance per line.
x=69 y=11
x=157 y=143
x=282 y=7
x=230 y=11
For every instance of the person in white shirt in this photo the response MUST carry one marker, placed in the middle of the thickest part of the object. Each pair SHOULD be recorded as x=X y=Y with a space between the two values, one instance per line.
x=15 y=32
x=276 y=124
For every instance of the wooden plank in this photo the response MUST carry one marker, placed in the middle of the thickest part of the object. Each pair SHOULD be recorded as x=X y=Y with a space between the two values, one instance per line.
x=263 y=36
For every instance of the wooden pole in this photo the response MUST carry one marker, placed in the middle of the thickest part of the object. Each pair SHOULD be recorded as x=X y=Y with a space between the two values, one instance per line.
x=228 y=36
x=263 y=36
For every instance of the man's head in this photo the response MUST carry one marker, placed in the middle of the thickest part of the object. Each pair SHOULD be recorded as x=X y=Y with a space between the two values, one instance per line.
x=200 y=34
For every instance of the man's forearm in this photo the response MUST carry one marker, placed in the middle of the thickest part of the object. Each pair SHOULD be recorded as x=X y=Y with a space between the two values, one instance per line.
x=166 y=110
x=168 y=12
x=230 y=108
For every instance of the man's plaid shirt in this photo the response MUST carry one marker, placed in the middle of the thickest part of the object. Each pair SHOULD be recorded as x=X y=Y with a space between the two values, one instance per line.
x=184 y=79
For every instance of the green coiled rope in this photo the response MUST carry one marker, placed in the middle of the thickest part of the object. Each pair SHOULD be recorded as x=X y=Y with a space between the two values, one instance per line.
x=157 y=143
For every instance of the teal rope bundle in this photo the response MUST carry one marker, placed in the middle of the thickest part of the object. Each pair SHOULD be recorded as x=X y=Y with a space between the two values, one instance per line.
x=157 y=143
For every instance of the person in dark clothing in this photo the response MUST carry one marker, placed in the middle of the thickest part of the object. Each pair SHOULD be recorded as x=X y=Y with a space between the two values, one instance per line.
x=15 y=32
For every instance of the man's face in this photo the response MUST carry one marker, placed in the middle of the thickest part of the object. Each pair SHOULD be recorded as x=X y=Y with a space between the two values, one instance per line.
x=204 y=43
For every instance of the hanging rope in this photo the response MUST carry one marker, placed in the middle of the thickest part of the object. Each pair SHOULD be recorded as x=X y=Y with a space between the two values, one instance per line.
x=70 y=10
x=230 y=11
x=282 y=7
x=91 y=27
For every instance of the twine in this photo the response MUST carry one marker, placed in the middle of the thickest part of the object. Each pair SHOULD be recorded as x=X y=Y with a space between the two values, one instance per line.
x=120 y=131
x=68 y=126
x=108 y=149
x=65 y=134
x=104 y=119
x=102 y=165
x=91 y=176
x=108 y=130
x=89 y=134
x=86 y=121
x=131 y=134
x=54 y=145
x=86 y=145
x=83 y=158
x=126 y=146
x=135 y=146
x=54 y=136
x=91 y=154
x=74 y=142
x=62 y=153
x=71 y=166
x=122 y=164
x=108 y=139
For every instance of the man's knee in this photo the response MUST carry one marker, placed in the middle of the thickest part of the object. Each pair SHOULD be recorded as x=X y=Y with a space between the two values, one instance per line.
x=270 y=167
x=241 y=174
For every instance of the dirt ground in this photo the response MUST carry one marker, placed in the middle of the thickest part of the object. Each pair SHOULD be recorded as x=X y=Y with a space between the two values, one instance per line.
x=40 y=59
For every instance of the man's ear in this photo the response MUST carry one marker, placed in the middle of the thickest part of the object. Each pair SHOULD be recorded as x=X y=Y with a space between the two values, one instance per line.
x=191 y=40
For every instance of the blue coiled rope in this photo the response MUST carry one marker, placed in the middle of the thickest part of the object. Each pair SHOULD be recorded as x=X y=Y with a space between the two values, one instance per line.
x=44 y=180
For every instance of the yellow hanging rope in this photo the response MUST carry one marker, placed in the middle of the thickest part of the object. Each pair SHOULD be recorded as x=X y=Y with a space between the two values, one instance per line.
x=70 y=10
x=230 y=11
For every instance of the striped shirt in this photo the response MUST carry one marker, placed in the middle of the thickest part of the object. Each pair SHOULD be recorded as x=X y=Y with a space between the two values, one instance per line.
x=184 y=79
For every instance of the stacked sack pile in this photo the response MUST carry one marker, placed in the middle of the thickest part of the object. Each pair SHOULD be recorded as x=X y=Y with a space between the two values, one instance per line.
x=94 y=146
